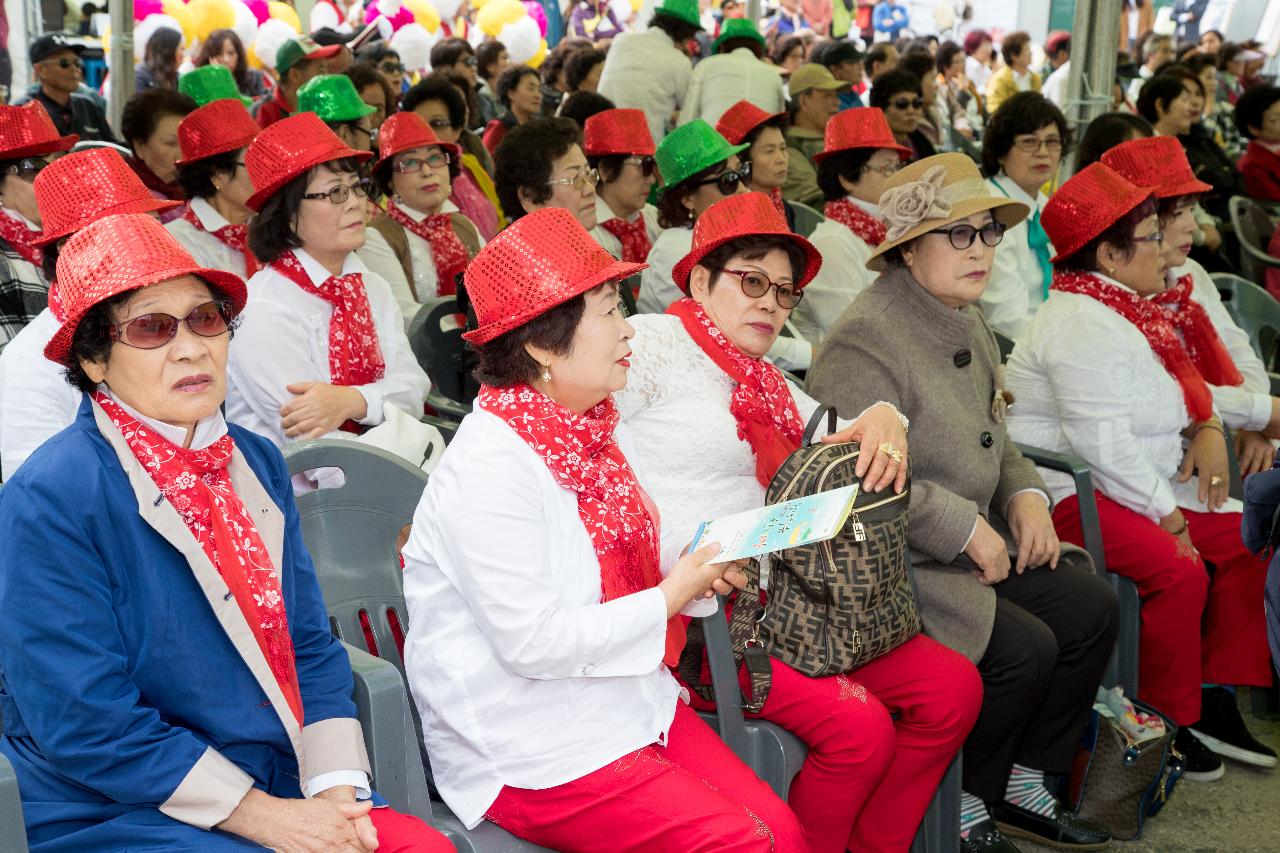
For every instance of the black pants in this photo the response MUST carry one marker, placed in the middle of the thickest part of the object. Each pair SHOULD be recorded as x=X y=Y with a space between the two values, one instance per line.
x=1052 y=638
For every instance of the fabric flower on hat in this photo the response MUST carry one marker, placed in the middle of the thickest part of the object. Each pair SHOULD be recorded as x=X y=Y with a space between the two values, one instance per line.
x=906 y=206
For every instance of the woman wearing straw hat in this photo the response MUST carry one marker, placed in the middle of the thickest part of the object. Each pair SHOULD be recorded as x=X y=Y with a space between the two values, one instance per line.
x=71 y=192
x=199 y=700
x=618 y=146
x=213 y=177
x=28 y=142
x=543 y=615
x=323 y=347
x=1131 y=391
x=860 y=157
x=867 y=780
x=990 y=576
x=421 y=244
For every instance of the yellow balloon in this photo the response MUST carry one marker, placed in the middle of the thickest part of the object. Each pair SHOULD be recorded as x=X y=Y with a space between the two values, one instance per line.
x=539 y=56
x=209 y=15
x=496 y=14
x=477 y=5
x=179 y=11
x=424 y=13
x=284 y=12
x=251 y=58
x=636 y=4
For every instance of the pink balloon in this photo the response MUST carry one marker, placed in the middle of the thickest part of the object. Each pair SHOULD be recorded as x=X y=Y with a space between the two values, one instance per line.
x=142 y=8
x=259 y=10
x=538 y=14
x=401 y=18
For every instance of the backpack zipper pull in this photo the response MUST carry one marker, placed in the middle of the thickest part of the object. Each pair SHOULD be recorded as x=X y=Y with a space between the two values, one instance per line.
x=859 y=530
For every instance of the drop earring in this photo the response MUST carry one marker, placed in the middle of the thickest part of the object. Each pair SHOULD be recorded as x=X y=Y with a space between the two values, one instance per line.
x=546 y=373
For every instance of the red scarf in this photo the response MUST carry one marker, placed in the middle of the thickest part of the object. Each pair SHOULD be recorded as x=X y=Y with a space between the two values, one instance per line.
x=198 y=485
x=634 y=237
x=447 y=249
x=775 y=196
x=355 y=358
x=583 y=457
x=1198 y=334
x=762 y=404
x=20 y=238
x=232 y=236
x=1156 y=326
x=857 y=220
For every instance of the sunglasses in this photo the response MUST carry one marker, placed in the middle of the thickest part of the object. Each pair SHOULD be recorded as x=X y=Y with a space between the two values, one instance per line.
x=646 y=165
x=342 y=192
x=907 y=103
x=27 y=168
x=440 y=123
x=65 y=63
x=152 y=331
x=727 y=182
x=962 y=236
x=391 y=68
x=757 y=284
x=435 y=160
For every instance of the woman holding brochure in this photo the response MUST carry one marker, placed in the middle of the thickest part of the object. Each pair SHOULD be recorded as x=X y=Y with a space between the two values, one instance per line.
x=542 y=620
x=711 y=422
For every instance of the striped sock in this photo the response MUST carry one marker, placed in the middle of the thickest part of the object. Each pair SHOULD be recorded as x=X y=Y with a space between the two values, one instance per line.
x=1026 y=790
x=973 y=811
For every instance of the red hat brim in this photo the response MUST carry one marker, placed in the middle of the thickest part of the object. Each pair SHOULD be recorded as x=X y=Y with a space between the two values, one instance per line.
x=765 y=119
x=293 y=170
x=1120 y=208
x=903 y=151
x=615 y=271
x=135 y=205
x=1193 y=186
x=62 y=143
x=813 y=258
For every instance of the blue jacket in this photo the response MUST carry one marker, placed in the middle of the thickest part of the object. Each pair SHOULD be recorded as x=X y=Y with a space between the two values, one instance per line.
x=137 y=706
x=1260 y=531
x=891 y=18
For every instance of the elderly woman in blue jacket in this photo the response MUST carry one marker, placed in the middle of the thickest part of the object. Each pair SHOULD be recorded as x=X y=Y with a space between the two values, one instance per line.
x=167 y=676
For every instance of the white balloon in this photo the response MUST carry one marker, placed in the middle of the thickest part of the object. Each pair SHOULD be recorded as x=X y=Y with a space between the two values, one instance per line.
x=413 y=42
x=246 y=25
x=522 y=39
x=271 y=35
x=621 y=10
x=148 y=27
x=448 y=9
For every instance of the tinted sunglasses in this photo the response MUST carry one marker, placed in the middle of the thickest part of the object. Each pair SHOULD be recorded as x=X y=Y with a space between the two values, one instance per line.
x=647 y=165
x=151 y=331
x=28 y=167
x=65 y=63
x=962 y=236
x=907 y=103
x=727 y=182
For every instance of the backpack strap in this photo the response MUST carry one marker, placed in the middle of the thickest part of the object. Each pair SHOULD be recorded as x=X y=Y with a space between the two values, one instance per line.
x=815 y=421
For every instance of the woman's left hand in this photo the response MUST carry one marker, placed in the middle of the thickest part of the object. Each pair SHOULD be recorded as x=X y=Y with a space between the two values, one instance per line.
x=362 y=825
x=879 y=426
x=1254 y=452
x=1207 y=456
x=1033 y=532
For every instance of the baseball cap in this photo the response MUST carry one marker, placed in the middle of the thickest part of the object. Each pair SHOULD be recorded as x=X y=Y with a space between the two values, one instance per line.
x=50 y=43
x=812 y=76
x=295 y=50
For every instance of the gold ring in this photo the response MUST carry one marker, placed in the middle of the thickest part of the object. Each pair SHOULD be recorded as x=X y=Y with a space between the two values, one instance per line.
x=892 y=452
x=1215 y=481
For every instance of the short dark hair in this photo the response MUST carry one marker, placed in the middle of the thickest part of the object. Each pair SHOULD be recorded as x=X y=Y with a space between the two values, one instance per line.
x=580 y=106
x=1182 y=72
x=579 y=65
x=376 y=52
x=1162 y=89
x=879 y=53
x=553 y=66
x=671 y=209
x=434 y=88
x=947 y=52
x=271 y=232
x=1198 y=62
x=1025 y=112
x=976 y=39
x=449 y=51
x=779 y=122
x=1119 y=234
x=838 y=52
x=504 y=361
x=919 y=62
x=753 y=247
x=364 y=74
x=679 y=31
x=842 y=164
x=143 y=112
x=486 y=55
x=730 y=45
x=196 y=178
x=49 y=260
x=783 y=46
x=1012 y=45
x=1253 y=105
x=510 y=79
x=523 y=160
x=1106 y=132
x=893 y=82
x=608 y=165
x=159 y=55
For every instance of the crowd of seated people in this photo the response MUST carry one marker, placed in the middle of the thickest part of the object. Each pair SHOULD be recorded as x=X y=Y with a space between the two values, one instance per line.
x=669 y=246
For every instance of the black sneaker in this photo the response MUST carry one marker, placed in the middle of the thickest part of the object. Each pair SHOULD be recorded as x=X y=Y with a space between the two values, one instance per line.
x=1201 y=763
x=1222 y=729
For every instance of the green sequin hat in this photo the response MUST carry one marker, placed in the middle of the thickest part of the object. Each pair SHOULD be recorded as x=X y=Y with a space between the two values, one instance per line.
x=681 y=10
x=737 y=28
x=690 y=148
x=333 y=97
x=211 y=82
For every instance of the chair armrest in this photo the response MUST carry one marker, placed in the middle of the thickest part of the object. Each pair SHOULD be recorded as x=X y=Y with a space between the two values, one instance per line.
x=724 y=683
x=13 y=833
x=446 y=408
x=1274 y=378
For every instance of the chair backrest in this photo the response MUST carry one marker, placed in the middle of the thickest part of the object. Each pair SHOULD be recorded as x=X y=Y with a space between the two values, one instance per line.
x=1005 y=343
x=436 y=340
x=13 y=833
x=352 y=533
x=627 y=290
x=1255 y=311
x=1253 y=227
x=807 y=218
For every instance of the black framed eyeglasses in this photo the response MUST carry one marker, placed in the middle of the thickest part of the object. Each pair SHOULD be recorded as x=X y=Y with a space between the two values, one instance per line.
x=757 y=284
x=963 y=235
x=1032 y=144
x=916 y=103
x=366 y=131
x=154 y=330
x=646 y=165
x=434 y=160
x=342 y=192
x=27 y=168
x=727 y=181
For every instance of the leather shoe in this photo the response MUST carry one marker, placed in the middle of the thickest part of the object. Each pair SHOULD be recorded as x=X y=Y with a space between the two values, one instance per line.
x=1060 y=829
x=986 y=837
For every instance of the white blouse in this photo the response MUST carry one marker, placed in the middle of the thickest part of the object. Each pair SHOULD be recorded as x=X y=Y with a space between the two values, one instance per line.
x=843 y=276
x=36 y=401
x=1015 y=289
x=283 y=339
x=207 y=249
x=523 y=677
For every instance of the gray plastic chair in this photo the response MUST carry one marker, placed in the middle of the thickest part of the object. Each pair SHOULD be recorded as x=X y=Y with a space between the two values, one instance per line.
x=1255 y=311
x=807 y=218
x=13 y=833
x=1253 y=227
x=442 y=354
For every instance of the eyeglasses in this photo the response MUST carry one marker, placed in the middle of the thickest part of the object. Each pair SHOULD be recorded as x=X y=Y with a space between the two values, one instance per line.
x=342 y=192
x=366 y=131
x=757 y=284
x=391 y=68
x=434 y=160
x=440 y=123
x=65 y=63
x=907 y=103
x=646 y=165
x=578 y=181
x=888 y=169
x=1150 y=238
x=469 y=61
x=152 y=331
x=27 y=168
x=727 y=182
x=1031 y=144
x=963 y=235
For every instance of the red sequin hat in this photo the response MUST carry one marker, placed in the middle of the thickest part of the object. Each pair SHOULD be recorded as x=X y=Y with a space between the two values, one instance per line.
x=27 y=131
x=533 y=265
x=1087 y=205
x=216 y=128
x=1159 y=162
x=860 y=127
x=618 y=132
x=742 y=215
x=742 y=118
x=117 y=254
x=289 y=148
x=74 y=190
x=404 y=132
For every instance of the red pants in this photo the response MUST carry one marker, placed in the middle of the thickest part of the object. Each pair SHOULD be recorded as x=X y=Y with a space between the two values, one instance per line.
x=691 y=795
x=400 y=833
x=1198 y=625
x=868 y=779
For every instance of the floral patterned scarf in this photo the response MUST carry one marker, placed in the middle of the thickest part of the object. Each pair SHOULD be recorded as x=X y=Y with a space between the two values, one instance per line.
x=21 y=239
x=1206 y=349
x=232 y=236
x=857 y=220
x=634 y=237
x=447 y=250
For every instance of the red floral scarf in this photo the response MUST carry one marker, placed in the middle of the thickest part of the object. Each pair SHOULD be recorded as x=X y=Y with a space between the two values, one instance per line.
x=21 y=238
x=355 y=357
x=857 y=220
x=1155 y=325
x=447 y=249
x=634 y=237
x=583 y=457
x=1206 y=349
x=232 y=236
x=775 y=196
x=762 y=404
x=198 y=485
